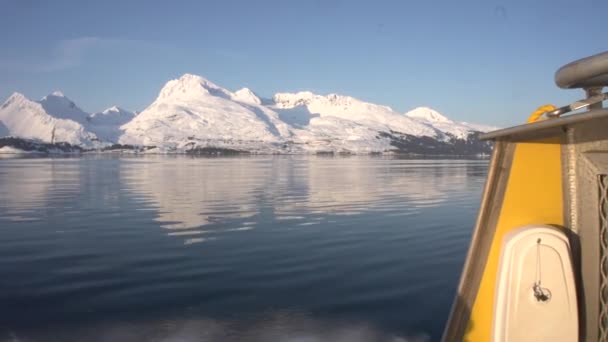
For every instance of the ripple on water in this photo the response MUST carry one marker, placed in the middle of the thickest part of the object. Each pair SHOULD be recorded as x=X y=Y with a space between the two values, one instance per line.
x=366 y=249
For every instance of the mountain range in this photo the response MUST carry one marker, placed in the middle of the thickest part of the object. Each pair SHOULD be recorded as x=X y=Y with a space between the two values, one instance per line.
x=193 y=115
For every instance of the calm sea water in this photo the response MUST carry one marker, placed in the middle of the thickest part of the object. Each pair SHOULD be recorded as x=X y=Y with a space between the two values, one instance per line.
x=232 y=249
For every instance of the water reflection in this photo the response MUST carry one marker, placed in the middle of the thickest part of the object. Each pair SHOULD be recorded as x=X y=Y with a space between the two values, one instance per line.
x=198 y=196
x=192 y=193
x=105 y=237
x=26 y=186
x=354 y=185
x=195 y=198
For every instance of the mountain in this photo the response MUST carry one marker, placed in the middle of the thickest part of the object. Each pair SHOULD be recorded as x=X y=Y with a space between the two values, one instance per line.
x=3 y=130
x=337 y=123
x=434 y=119
x=56 y=118
x=194 y=115
x=246 y=95
x=52 y=119
x=59 y=106
x=335 y=106
x=106 y=124
x=426 y=114
x=194 y=112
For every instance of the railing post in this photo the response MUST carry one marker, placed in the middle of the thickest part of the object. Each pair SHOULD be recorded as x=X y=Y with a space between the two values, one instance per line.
x=594 y=91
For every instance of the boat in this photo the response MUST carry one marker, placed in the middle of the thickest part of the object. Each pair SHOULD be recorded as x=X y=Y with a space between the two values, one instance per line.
x=537 y=264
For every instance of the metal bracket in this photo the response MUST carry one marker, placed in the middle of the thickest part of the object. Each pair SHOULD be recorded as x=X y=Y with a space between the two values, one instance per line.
x=594 y=100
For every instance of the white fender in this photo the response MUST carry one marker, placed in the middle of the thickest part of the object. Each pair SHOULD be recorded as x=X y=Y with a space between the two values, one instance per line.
x=535 y=294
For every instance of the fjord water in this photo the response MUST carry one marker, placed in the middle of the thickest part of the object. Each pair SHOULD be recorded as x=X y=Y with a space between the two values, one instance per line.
x=283 y=248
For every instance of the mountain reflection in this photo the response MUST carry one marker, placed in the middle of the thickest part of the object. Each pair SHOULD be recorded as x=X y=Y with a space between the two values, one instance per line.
x=27 y=185
x=193 y=197
x=353 y=185
x=197 y=198
x=191 y=193
x=192 y=241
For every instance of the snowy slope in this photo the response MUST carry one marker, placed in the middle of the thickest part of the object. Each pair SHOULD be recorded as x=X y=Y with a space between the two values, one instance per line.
x=434 y=119
x=3 y=130
x=343 y=123
x=479 y=127
x=335 y=134
x=59 y=106
x=377 y=117
x=106 y=124
x=29 y=119
x=426 y=114
x=246 y=95
x=192 y=111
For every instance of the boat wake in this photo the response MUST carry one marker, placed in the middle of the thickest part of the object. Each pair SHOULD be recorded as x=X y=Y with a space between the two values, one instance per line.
x=278 y=328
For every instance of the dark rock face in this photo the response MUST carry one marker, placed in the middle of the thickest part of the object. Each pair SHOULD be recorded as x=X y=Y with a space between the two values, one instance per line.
x=40 y=147
x=207 y=151
x=450 y=146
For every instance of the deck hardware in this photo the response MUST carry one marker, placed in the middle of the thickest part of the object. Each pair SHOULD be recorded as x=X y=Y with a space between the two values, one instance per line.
x=574 y=106
x=540 y=293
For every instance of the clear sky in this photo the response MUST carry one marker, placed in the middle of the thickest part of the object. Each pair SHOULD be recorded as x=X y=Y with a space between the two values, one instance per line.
x=480 y=61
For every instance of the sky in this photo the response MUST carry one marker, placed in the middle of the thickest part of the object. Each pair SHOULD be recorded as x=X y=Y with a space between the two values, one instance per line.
x=490 y=62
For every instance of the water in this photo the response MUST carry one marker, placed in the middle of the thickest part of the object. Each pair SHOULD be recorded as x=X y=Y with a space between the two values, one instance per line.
x=232 y=249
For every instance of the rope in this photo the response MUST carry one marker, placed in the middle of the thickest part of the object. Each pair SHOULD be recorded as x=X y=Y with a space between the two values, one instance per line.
x=540 y=293
x=536 y=116
x=538 y=270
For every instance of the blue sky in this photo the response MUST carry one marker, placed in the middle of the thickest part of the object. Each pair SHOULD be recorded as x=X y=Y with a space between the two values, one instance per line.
x=480 y=61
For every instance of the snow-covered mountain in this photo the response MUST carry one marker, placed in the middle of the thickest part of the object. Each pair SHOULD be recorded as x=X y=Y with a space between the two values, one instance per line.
x=53 y=119
x=3 y=130
x=426 y=114
x=59 y=106
x=434 y=119
x=246 y=95
x=106 y=124
x=333 y=106
x=192 y=114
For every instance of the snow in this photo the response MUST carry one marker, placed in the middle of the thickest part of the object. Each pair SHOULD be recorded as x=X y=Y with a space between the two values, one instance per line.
x=334 y=134
x=29 y=119
x=193 y=112
x=111 y=116
x=434 y=119
x=378 y=117
x=191 y=87
x=479 y=127
x=61 y=107
x=106 y=124
x=3 y=130
x=298 y=117
x=12 y=150
x=427 y=114
x=246 y=95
